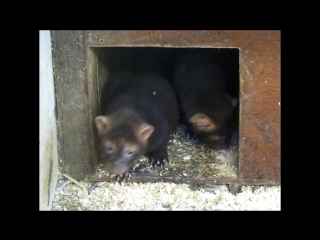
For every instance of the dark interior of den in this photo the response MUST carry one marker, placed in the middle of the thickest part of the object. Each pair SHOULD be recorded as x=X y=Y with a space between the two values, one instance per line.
x=167 y=114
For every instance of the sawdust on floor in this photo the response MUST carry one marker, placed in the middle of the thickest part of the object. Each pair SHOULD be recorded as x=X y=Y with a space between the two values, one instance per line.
x=162 y=196
x=186 y=157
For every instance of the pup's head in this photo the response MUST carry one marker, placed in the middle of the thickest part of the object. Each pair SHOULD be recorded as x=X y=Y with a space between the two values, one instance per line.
x=121 y=141
x=214 y=128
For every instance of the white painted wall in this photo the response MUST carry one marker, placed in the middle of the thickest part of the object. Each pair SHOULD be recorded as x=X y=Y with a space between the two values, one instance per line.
x=48 y=153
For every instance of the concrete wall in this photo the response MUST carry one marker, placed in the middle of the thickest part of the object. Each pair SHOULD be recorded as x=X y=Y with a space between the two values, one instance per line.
x=48 y=153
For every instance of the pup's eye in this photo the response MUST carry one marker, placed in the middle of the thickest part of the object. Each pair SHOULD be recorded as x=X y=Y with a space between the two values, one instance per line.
x=108 y=149
x=129 y=153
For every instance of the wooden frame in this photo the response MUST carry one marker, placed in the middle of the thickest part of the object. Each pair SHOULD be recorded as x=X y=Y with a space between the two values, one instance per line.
x=80 y=71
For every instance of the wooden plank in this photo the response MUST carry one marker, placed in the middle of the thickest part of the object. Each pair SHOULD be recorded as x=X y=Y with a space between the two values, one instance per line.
x=97 y=74
x=74 y=126
x=259 y=154
x=93 y=100
x=187 y=180
x=260 y=106
x=185 y=38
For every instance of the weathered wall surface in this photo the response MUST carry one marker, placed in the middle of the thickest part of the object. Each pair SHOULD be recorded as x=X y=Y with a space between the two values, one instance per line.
x=48 y=154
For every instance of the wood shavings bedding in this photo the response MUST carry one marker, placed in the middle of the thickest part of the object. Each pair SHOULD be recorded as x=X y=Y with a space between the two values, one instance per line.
x=187 y=157
x=162 y=196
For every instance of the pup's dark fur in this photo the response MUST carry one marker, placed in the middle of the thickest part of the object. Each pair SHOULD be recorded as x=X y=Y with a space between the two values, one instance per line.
x=205 y=105
x=140 y=114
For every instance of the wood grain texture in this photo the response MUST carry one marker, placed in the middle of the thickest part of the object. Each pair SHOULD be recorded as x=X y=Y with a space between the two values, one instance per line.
x=74 y=128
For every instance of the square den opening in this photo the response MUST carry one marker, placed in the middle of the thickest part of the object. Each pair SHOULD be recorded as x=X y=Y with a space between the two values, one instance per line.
x=190 y=160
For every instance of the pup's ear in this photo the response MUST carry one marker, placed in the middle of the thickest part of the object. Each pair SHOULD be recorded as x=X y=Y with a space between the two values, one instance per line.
x=102 y=124
x=144 y=132
x=202 y=122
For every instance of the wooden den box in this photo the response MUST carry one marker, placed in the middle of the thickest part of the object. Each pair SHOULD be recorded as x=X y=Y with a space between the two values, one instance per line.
x=80 y=70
